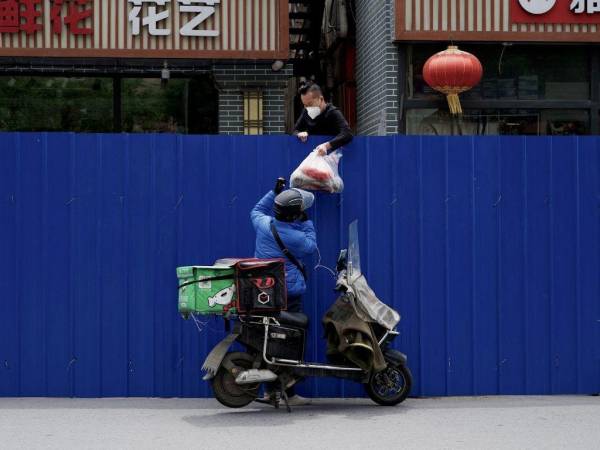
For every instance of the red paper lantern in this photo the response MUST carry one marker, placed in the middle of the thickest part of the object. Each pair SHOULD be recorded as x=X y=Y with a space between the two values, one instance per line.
x=451 y=72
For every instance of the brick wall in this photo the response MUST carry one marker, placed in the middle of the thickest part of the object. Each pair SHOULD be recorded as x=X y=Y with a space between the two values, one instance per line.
x=234 y=78
x=376 y=68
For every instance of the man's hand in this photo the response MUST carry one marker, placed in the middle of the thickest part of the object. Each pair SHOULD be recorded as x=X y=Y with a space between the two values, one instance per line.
x=279 y=186
x=323 y=149
x=303 y=136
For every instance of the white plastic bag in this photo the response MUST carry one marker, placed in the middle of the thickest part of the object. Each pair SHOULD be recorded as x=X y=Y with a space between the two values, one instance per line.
x=318 y=173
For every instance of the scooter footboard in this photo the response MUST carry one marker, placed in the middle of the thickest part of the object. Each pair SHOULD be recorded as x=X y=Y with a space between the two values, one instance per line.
x=318 y=370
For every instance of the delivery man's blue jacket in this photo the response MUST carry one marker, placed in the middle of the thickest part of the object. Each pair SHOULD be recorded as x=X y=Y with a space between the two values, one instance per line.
x=299 y=237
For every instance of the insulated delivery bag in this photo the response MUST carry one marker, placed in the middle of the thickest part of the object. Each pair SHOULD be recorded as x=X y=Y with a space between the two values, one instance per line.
x=235 y=285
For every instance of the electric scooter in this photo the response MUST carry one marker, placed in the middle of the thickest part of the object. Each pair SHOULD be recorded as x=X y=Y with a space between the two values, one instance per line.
x=273 y=345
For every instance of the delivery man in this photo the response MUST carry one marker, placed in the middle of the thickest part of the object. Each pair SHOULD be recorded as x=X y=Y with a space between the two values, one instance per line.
x=321 y=118
x=281 y=216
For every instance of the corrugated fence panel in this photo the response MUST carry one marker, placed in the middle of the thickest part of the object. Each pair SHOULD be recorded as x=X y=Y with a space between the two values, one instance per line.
x=511 y=277
x=537 y=251
x=563 y=294
x=488 y=246
x=485 y=258
x=588 y=274
x=459 y=236
x=30 y=322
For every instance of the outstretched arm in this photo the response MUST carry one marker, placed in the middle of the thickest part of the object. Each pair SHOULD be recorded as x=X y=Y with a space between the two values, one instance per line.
x=344 y=135
x=263 y=210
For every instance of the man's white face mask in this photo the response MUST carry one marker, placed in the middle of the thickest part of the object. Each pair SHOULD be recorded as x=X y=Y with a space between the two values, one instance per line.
x=313 y=111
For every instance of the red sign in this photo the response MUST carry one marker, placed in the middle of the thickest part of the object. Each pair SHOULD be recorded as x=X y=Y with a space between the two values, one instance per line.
x=555 y=11
x=11 y=14
x=25 y=15
x=78 y=11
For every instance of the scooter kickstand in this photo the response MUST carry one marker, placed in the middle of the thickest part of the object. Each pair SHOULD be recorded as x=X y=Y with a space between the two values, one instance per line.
x=285 y=398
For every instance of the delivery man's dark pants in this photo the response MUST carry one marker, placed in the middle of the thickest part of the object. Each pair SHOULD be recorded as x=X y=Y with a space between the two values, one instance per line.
x=294 y=304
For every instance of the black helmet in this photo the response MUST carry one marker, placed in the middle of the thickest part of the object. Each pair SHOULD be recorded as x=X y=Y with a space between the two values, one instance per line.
x=290 y=204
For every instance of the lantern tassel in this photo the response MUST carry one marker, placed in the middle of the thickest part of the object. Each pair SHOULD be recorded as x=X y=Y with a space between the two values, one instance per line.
x=454 y=104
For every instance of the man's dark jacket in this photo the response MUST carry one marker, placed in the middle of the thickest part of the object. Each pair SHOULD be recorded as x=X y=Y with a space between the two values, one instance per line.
x=330 y=122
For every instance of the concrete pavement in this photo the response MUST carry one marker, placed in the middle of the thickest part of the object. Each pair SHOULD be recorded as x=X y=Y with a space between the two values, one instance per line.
x=440 y=423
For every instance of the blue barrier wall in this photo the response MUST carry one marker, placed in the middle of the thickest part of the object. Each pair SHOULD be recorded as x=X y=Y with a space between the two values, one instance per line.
x=489 y=248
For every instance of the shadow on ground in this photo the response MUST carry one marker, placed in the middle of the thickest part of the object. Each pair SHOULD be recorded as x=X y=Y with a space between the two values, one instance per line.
x=268 y=416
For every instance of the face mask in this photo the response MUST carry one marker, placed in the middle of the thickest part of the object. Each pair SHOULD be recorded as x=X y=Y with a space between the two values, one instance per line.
x=313 y=111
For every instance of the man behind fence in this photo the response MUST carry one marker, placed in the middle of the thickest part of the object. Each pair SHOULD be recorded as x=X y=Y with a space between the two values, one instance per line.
x=321 y=118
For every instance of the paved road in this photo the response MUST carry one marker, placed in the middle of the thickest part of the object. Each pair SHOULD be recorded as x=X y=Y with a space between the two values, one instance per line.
x=444 y=423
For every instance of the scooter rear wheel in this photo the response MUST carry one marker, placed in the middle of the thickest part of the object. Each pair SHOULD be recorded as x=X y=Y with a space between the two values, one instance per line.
x=390 y=386
x=226 y=390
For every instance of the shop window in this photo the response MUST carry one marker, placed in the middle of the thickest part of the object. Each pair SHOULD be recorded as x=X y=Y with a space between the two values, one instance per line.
x=566 y=122
x=180 y=106
x=253 y=112
x=514 y=72
x=35 y=103
x=498 y=122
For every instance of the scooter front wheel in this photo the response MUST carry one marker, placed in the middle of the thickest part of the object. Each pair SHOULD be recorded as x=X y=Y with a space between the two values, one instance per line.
x=390 y=386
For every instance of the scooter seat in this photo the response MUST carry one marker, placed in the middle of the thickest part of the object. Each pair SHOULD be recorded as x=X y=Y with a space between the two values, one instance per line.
x=294 y=319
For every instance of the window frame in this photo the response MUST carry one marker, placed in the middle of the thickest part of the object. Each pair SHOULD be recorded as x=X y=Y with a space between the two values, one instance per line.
x=251 y=125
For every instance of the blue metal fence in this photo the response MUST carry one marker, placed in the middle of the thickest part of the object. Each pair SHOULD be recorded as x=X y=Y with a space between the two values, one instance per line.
x=489 y=247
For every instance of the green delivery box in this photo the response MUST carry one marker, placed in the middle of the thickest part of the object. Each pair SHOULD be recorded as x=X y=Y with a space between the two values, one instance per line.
x=202 y=293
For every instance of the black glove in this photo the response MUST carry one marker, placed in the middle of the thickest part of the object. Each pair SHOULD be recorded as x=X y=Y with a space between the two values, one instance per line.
x=303 y=217
x=279 y=186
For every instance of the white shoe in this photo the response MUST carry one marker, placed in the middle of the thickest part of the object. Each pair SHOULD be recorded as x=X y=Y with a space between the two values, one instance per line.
x=297 y=400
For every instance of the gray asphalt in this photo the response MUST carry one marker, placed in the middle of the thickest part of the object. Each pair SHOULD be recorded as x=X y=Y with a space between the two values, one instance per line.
x=440 y=423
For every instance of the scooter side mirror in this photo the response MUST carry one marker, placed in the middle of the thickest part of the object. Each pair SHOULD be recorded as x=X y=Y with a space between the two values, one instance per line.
x=342 y=262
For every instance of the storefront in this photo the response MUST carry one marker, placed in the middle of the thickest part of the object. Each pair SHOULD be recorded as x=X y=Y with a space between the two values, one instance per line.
x=189 y=66
x=540 y=61
x=539 y=57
